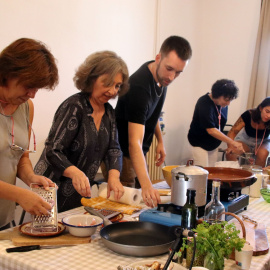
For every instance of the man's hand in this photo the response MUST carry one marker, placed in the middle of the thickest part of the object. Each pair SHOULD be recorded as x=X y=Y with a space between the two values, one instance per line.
x=160 y=154
x=150 y=196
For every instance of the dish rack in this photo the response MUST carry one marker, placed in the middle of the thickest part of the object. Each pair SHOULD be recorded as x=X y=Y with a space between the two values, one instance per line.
x=46 y=223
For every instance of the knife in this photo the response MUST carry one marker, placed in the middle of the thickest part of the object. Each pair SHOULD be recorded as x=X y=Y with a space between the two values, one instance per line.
x=34 y=247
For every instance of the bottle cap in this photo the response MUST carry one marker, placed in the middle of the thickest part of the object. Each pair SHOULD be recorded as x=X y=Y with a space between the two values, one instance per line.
x=216 y=182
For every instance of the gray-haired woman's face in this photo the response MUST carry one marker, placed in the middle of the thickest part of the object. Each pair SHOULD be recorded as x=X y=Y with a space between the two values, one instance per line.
x=102 y=93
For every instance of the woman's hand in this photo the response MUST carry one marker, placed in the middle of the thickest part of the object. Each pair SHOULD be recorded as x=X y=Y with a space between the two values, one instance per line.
x=42 y=181
x=79 y=180
x=115 y=185
x=236 y=147
x=33 y=203
x=81 y=183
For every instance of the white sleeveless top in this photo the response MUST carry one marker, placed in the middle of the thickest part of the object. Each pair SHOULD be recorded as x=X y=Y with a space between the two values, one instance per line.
x=9 y=158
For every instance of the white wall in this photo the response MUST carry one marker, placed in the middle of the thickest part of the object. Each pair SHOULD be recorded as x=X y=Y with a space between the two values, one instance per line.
x=222 y=34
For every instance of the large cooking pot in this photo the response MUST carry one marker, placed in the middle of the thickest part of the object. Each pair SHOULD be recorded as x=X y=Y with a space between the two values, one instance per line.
x=189 y=176
x=138 y=238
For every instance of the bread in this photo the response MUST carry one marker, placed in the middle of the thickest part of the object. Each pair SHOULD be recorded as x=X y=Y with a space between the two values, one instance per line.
x=102 y=203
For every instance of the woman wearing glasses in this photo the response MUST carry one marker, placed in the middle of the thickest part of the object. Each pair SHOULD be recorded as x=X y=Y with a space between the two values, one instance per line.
x=25 y=66
x=84 y=132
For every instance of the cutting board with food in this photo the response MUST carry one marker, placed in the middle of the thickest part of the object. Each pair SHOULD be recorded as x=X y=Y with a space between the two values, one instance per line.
x=19 y=239
x=256 y=236
x=102 y=203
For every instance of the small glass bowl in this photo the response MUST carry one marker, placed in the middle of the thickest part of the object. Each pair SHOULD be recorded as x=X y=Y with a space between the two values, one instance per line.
x=265 y=194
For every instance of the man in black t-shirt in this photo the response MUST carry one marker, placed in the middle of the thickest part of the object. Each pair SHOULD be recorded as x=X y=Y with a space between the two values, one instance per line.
x=137 y=113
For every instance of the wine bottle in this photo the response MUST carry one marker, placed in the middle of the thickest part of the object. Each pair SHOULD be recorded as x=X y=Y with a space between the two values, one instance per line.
x=189 y=211
x=214 y=209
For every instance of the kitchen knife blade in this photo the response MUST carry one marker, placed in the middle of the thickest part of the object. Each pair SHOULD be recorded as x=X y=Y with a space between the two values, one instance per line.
x=34 y=247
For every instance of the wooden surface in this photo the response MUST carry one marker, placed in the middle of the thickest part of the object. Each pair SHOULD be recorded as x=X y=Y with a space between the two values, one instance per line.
x=256 y=237
x=19 y=239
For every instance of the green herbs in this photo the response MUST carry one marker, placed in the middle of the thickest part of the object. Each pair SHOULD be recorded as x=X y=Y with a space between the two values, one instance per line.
x=220 y=239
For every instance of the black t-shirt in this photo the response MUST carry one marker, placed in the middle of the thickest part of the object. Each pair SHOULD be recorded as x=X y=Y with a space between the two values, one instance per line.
x=142 y=104
x=251 y=132
x=206 y=116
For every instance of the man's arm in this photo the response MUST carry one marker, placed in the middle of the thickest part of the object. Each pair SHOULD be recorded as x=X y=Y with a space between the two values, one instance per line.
x=135 y=134
x=160 y=149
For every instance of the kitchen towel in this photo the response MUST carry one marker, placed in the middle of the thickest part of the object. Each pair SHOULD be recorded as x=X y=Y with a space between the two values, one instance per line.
x=132 y=196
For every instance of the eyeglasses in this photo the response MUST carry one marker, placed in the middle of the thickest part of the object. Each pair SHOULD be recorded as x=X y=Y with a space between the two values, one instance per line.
x=19 y=148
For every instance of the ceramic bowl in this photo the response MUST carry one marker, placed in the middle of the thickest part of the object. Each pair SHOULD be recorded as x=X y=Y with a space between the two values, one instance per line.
x=265 y=194
x=82 y=225
x=166 y=170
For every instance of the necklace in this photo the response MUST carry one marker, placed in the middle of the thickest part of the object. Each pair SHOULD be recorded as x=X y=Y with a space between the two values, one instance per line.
x=13 y=146
x=158 y=95
x=256 y=146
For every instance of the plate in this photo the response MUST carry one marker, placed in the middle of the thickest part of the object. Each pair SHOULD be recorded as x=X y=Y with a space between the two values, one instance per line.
x=27 y=229
x=176 y=266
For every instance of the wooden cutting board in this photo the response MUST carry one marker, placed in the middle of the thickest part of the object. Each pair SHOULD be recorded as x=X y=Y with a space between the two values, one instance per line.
x=19 y=239
x=257 y=237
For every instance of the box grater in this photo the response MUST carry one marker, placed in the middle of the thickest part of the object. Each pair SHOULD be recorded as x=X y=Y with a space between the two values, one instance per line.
x=49 y=222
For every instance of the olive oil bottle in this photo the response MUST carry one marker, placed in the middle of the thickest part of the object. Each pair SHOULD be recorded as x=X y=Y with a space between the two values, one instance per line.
x=189 y=211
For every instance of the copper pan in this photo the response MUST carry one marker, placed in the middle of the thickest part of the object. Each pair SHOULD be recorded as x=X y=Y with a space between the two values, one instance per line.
x=231 y=179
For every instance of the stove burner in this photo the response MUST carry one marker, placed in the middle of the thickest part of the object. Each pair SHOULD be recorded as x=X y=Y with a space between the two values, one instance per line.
x=171 y=208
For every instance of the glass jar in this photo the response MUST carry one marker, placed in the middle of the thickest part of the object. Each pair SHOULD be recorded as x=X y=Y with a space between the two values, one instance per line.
x=211 y=262
x=198 y=260
x=254 y=190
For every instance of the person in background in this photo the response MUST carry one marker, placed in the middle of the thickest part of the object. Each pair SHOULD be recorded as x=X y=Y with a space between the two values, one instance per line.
x=252 y=130
x=84 y=132
x=26 y=65
x=209 y=118
x=137 y=113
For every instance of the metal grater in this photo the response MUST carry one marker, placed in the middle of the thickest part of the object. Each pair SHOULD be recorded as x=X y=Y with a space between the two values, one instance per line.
x=49 y=222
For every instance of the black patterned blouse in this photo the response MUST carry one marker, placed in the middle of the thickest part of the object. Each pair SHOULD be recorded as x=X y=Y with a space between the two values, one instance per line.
x=74 y=140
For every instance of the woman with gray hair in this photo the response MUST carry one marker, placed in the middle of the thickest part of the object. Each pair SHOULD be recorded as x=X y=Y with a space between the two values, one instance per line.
x=84 y=132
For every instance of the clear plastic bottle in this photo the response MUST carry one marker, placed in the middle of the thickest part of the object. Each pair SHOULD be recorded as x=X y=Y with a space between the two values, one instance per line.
x=214 y=209
x=189 y=211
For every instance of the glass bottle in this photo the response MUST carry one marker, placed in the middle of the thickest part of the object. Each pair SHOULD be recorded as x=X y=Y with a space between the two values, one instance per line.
x=213 y=210
x=189 y=211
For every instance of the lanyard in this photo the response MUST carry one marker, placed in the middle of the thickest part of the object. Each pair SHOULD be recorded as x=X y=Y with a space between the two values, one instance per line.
x=256 y=147
x=219 y=116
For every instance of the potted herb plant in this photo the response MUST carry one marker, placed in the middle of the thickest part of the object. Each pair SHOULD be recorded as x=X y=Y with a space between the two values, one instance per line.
x=216 y=242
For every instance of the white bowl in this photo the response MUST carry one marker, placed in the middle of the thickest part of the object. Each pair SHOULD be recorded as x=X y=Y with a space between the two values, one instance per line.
x=81 y=225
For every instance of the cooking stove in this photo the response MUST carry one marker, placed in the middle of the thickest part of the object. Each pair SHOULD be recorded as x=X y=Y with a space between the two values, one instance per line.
x=170 y=214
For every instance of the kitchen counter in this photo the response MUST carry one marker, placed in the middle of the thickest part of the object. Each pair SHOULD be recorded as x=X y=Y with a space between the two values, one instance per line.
x=97 y=257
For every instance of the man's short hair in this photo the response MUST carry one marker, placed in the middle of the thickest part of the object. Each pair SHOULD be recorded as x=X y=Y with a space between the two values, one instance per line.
x=178 y=44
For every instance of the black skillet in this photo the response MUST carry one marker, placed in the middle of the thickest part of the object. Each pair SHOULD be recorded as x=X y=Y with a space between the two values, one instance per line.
x=137 y=238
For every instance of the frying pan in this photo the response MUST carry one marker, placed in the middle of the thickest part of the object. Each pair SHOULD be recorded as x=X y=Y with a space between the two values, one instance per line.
x=138 y=238
x=231 y=179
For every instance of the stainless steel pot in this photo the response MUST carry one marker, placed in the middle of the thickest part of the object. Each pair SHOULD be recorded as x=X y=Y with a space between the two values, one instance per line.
x=189 y=176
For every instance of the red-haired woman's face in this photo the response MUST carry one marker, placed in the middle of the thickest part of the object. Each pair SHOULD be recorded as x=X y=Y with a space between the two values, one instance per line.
x=16 y=94
x=265 y=114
